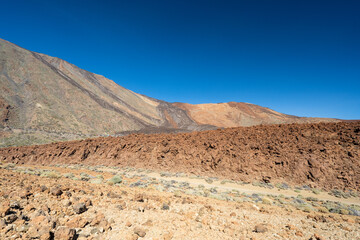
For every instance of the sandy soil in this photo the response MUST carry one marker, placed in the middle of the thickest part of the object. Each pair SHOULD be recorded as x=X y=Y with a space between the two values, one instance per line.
x=32 y=208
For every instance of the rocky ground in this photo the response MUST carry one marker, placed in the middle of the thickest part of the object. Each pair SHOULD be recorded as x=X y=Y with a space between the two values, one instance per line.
x=99 y=202
x=324 y=155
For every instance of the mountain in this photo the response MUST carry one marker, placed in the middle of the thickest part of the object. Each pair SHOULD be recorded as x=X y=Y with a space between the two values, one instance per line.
x=235 y=114
x=45 y=99
x=44 y=94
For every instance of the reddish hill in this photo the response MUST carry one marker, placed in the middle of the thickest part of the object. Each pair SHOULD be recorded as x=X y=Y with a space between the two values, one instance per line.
x=325 y=155
x=240 y=114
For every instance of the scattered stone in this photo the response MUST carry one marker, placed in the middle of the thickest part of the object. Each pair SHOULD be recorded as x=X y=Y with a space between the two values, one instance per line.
x=165 y=207
x=77 y=222
x=45 y=233
x=9 y=228
x=261 y=228
x=86 y=201
x=80 y=208
x=168 y=236
x=139 y=197
x=120 y=207
x=266 y=179
x=39 y=221
x=39 y=216
x=4 y=209
x=15 y=205
x=25 y=194
x=22 y=228
x=131 y=236
x=97 y=219
x=56 y=191
x=148 y=223
x=2 y=223
x=65 y=233
x=10 y=218
x=45 y=208
x=111 y=194
x=291 y=227
x=94 y=230
x=43 y=188
x=141 y=232
x=316 y=237
x=66 y=203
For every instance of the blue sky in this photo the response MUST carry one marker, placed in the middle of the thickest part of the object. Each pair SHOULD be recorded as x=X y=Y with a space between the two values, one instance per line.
x=296 y=57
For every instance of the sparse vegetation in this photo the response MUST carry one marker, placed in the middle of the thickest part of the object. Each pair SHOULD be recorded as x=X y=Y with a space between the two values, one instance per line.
x=115 y=180
x=315 y=191
x=69 y=175
x=209 y=180
x=84 y=176
x=10 y=165
x=283 y=186
x=306 y=204
x=51 y=174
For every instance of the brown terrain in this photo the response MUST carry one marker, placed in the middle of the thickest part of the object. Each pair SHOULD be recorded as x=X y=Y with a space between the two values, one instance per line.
x=58 y=206
x=236 y=114
x=325 y=155
x=45 y=99
x=172 y=171
x=44 y=96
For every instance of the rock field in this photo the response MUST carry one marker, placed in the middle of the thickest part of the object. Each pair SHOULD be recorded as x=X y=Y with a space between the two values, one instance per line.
x=98 y=202
x=324 y=155
x=296 y=181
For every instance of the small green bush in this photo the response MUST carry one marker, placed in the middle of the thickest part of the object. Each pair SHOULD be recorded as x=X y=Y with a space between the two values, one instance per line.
x=69 y=175
x=344 y=211
x=353 y=193
x=10 y=165
x=307 y=209
x=337 y=193
x=115 y=180
x=312 y=199
x=96 y=180
x=322 y=209
x=84 y=176
x=209 y=181
x=266 y=201
x=52 y=174
x=283 y=186
x=315 y=191
x=223 y=182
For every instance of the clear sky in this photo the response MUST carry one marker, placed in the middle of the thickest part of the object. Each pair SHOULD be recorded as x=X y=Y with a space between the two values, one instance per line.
x=296 y=57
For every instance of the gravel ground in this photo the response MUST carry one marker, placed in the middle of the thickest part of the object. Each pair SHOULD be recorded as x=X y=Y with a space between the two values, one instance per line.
x=135 y=205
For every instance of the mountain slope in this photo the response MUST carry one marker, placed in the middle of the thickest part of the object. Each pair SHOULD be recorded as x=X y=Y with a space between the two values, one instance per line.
x=43 y=93
x=235 y=114
x=45 y=99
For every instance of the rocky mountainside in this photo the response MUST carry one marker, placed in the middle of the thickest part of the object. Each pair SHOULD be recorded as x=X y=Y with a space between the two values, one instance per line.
x=45 y=99
x=43 y=94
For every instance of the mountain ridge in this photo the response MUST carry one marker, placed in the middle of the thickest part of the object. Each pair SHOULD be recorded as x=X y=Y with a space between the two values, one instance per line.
x=235 y=114
x=40 y=94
